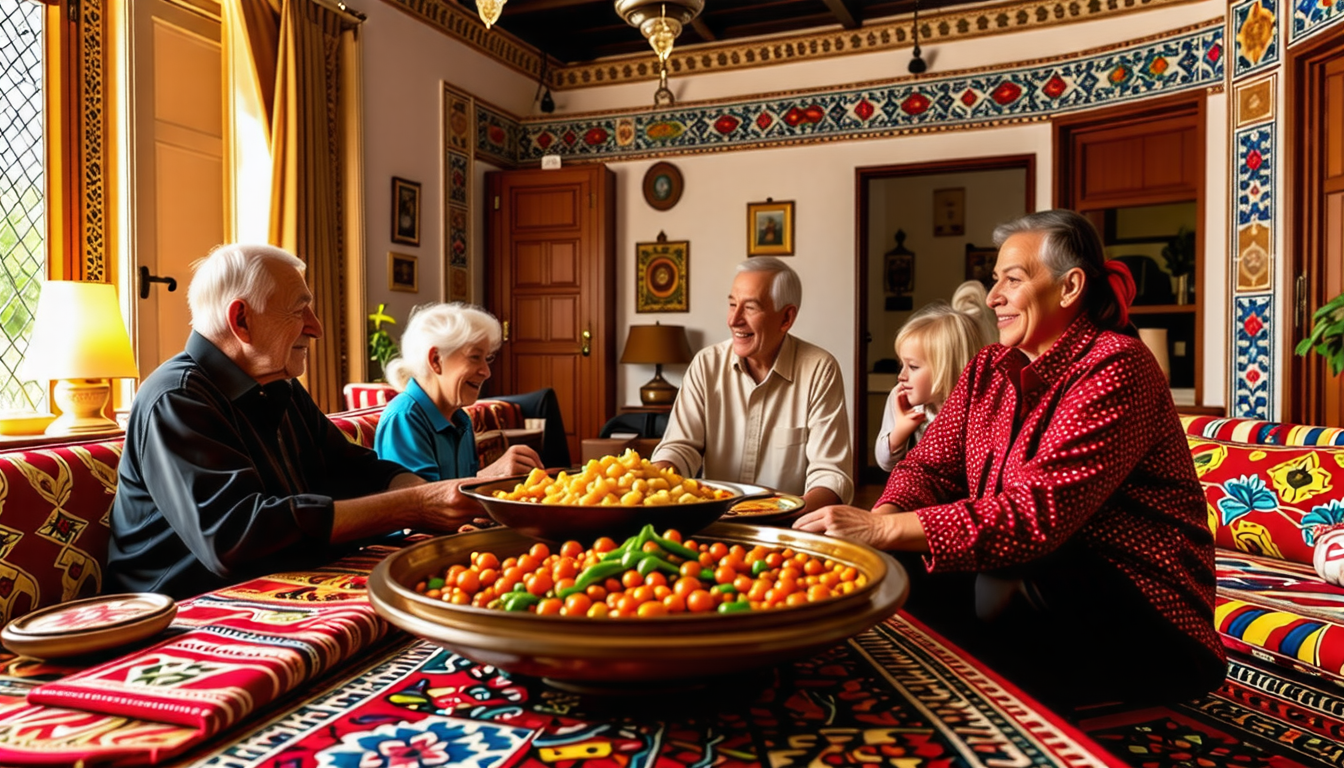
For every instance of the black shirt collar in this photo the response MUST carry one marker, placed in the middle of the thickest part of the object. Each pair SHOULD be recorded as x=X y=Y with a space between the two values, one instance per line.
x=229 y=378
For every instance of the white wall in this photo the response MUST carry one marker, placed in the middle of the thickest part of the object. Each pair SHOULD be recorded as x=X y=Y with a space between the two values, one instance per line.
x=405 y=64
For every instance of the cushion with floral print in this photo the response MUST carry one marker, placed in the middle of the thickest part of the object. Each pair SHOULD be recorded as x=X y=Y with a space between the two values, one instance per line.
x=1270 y=500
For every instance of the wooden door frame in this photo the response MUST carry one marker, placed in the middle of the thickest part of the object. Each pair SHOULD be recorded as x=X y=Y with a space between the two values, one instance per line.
x=862 y=177
x=1303 y=402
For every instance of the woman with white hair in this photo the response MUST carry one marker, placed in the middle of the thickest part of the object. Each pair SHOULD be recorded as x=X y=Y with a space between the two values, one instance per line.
x=446 y=354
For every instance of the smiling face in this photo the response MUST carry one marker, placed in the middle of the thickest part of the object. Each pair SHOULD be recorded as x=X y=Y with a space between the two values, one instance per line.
x=457 y=377
x=278 y=338
x=758 y=328
x=916 y=373
x=1033 y=308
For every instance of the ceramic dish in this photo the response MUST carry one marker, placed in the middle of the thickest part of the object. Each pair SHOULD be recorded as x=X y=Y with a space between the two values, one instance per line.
x=89 y=626
x=760 y=510
x=623 y=652
x=556 y=522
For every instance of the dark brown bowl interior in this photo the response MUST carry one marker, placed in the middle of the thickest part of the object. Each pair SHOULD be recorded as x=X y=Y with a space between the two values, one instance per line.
x=555 y=522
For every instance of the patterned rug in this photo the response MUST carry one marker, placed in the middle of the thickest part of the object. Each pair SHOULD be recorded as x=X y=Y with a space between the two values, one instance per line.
x=1263 y=715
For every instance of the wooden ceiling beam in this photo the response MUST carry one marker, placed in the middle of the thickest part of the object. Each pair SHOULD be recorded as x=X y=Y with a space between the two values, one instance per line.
x=522 y=7
x=702 y=29
x=845 y=12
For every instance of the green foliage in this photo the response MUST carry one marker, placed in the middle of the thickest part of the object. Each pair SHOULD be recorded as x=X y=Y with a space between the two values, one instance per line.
x=1327 y=334
x=381 y=346
x=1180 y=252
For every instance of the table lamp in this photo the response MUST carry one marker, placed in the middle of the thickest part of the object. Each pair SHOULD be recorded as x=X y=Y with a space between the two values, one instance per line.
x=658 y=345
x=79 y=340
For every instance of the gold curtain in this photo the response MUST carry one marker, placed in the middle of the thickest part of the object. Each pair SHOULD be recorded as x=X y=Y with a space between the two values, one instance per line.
x=303 y=50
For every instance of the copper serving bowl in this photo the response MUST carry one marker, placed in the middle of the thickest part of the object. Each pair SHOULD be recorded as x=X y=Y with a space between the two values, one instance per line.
x=558 y=522
x=610 y=653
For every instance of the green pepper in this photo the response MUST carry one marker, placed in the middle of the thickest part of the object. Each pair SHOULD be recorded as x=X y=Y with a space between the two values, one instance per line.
x=759 y=567
x=674 y=548
x=652 y=562
x=591 y=575
x=519 y=601
x=434 y=583
x=632 y=558
x=727 y=589
x=734 y=607
x=617 y=552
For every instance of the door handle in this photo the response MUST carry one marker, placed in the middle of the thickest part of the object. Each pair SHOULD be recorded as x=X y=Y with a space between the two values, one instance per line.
x=587 y=347
x=146 y=279
x=506 y=330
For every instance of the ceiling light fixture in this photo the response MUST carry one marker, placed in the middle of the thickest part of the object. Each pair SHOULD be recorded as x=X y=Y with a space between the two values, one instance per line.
x=544 y=89
x=917 y=64
x=661 y=22
x=490 y=10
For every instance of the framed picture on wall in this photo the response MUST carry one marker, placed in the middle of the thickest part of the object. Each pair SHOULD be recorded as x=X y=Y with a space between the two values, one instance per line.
x=770 y=228
x=662 y=274
x=949 y=212
x=403 y=272
x=405 y=211
x=980 y=264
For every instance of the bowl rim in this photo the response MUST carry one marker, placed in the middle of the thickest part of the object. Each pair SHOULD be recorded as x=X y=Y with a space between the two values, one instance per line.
x=480 y=491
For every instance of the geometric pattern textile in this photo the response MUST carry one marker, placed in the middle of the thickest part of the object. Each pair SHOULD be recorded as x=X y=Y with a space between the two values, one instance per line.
x=54 y=524
x=1259 y=432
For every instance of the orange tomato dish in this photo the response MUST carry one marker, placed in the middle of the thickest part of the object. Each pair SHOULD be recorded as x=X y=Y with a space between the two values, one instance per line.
x=626 y=480
x=649 y=575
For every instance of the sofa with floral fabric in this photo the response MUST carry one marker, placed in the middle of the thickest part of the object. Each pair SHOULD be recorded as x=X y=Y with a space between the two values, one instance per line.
x=1273 y=490
x=55 y=514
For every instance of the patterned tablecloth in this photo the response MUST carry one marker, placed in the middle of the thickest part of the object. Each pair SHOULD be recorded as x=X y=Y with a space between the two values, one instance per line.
x=897 y=695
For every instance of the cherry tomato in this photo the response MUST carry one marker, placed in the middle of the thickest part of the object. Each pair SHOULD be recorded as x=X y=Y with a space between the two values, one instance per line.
x=656 y=579
x=691 y=568
x=631 y=579
x=674 y=603
x=550 y=607
x=539 y=583
x=571 y=549
x=486 y=560
x=603 y=544
x=725 y=574
x=598 y=611
x=686 y=585
x=578 y=604
x=700 y=601
x=652 y=608
x=672 y=534
x=529 y=563
x=717 y=550
x=596 y=592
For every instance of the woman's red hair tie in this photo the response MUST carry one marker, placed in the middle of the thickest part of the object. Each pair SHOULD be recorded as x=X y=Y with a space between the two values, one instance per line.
x=1122 y=284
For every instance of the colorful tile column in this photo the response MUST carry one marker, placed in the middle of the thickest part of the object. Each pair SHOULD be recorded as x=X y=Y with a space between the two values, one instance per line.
x=458 y=152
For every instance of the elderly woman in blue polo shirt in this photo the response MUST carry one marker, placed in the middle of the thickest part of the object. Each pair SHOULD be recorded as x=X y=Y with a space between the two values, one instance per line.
x=446 y=354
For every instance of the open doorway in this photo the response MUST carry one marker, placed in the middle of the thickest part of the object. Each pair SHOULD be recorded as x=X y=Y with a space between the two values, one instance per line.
x=923 y=230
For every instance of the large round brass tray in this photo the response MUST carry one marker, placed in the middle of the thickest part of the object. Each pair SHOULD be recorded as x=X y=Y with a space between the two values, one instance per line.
x=558 y=522
x=623 y=651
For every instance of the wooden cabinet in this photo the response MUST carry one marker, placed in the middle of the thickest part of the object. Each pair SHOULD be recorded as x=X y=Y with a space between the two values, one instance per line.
x=1138 y=174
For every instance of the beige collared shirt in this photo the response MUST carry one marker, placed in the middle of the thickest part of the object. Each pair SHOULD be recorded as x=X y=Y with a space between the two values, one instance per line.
x=790 y=432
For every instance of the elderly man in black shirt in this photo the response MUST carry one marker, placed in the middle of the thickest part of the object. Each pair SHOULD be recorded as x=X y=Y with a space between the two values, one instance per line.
x=230 y=470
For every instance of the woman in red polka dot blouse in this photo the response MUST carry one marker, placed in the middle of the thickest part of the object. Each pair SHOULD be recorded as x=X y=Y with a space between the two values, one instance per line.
x=1054 y=500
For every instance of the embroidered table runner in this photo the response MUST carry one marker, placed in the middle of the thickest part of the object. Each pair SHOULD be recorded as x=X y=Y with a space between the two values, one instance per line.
x=238 y=649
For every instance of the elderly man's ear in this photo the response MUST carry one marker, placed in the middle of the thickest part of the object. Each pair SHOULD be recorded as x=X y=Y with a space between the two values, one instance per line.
x=239 y=316
x=790 y=315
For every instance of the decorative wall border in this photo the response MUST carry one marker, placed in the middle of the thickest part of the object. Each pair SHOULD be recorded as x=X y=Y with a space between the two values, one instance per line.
x=1253 y=384
x=1312 y=16
x=1180 y=60
x=1016 y=16
x=459 y=150
x=1253 y=236
x=1255 y=25
x=92 y=132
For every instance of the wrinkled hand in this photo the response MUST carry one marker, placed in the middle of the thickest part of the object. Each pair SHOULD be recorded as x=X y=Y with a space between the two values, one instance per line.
x=446 y=507
x=1328 y=557
x=852 y=523
x=517 y=460
x=904 y=411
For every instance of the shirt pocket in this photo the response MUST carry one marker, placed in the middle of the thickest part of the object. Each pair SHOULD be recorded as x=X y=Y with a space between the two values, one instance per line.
x=789 y=438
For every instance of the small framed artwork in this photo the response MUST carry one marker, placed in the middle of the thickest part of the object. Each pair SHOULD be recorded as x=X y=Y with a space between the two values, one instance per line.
x=403 y=272
x=949 y=212
x=662 y=186
x=980 y=264
x=662 y=274
x=770 y=228
x=405 y=211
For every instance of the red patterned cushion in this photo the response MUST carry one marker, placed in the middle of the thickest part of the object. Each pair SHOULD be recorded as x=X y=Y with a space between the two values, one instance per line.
x=367 y=395
x=1269 y=499
x=1261 y=432
x=55 y=505
x=490 y=446
x=358 y=426
x=487 y=415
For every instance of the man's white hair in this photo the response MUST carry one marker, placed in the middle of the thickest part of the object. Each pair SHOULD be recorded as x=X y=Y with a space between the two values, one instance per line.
x=232 y=272
x=785 y=288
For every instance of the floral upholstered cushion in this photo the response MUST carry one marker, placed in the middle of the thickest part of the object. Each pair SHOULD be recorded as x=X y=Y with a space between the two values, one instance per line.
x=1270 y=499
x=1280 y=611
x=55 y=507
x=359 y=426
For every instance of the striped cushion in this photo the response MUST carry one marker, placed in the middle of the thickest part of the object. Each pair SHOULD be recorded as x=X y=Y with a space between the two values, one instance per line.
x=367 y=395
x=1281 y=611
x=1257 y=432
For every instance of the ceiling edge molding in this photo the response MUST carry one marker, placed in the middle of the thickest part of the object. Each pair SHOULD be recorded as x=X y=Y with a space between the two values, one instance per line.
x=939 y=27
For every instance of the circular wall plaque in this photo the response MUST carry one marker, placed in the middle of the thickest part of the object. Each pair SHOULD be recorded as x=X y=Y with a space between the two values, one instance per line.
x=662 y=186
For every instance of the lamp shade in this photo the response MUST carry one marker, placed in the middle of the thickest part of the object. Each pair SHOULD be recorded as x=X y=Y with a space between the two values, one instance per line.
x=78 y=334
x=657 y=345
x=1156 y=341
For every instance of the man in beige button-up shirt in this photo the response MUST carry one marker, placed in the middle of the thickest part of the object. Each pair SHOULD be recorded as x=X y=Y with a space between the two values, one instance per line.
x=763 y=407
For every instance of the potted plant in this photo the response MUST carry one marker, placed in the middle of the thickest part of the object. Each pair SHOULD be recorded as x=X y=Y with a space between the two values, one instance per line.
x=1179 y=253
x=381 y=346
x=1327 y=334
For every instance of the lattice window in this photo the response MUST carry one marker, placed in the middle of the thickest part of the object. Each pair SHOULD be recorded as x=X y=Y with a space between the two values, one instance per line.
x=22 y=201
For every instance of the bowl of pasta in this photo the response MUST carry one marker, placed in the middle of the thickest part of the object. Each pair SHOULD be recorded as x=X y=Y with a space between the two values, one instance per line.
x=613 y=496
x=658 y=609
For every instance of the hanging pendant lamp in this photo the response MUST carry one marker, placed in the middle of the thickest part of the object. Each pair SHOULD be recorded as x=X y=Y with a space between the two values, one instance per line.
x=490 y=10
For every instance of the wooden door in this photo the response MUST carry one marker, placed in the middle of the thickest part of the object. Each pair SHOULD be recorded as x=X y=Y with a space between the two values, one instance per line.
x=1315 y=395
x=176 y=169
x=552 y=272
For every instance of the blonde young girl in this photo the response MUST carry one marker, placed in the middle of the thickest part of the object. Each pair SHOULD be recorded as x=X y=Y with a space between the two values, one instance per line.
x=934 y=345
